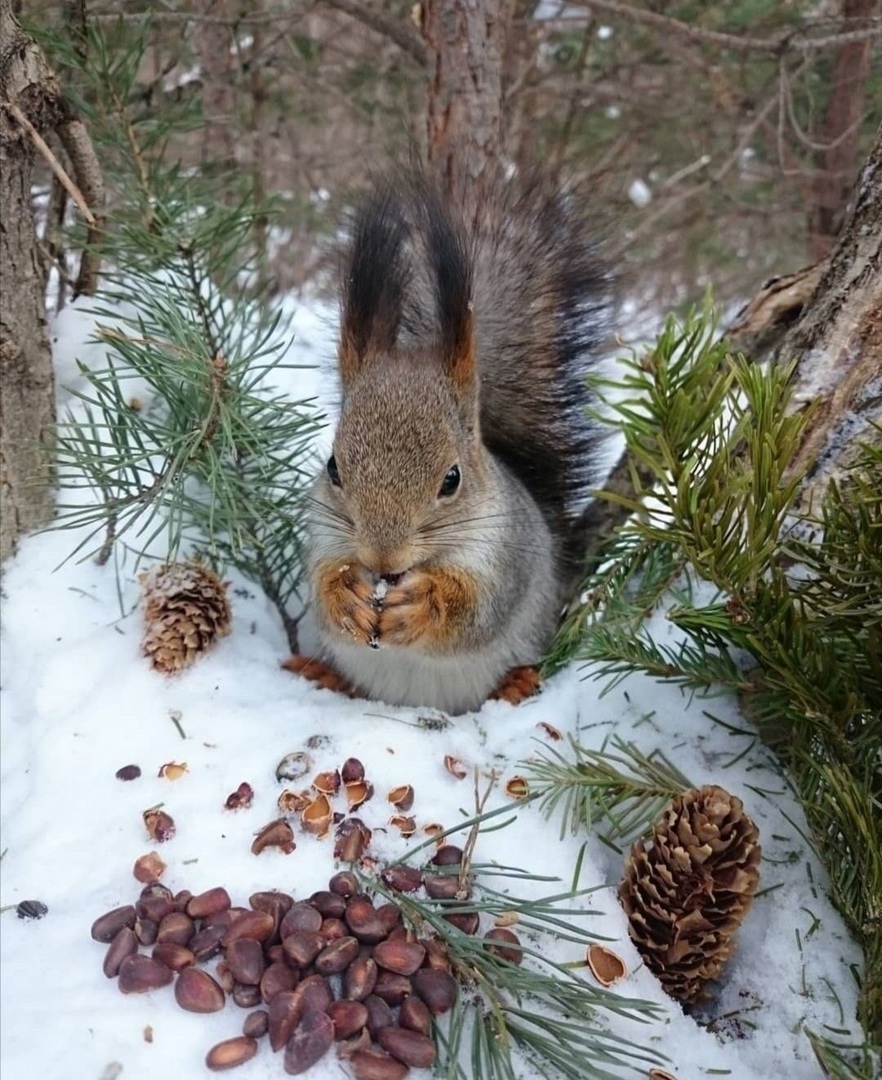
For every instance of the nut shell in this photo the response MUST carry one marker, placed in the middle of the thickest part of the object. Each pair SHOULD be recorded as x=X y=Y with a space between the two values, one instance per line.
x=376 y=1065
x=196 y=991
x=209 y=903
x=124 y=944
x=409 y=1047
x=107 y=926
x=436 y=988
x=138 y=974
x=311 y=1039
x=348 y=1018
x=230 y=1053
x=401 y=957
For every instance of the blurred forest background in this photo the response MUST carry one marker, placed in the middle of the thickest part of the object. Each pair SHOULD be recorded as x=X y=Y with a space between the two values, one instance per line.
x=717 y=143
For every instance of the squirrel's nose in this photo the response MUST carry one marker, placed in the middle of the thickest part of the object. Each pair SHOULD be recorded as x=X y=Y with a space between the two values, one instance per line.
x=385 y=564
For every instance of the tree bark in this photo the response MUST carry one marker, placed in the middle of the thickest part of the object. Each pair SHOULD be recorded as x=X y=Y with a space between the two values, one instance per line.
x=27 y=399
x=837 y=159
x=465 y=40
x=837 y=340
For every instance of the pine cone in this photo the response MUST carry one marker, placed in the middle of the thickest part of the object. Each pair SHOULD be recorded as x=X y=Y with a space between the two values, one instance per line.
x=688 y=887
x=186 y=610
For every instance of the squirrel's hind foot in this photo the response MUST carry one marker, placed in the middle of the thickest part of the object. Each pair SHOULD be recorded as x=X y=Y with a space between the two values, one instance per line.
x=322 y=674
x=518 y=684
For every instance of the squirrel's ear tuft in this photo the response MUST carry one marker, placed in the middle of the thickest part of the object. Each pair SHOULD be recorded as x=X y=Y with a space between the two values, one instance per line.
x=451 y=263
x=373 y=281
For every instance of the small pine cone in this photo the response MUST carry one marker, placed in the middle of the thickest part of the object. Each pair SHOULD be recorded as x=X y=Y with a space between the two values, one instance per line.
x=688 y=887
x=185 y=611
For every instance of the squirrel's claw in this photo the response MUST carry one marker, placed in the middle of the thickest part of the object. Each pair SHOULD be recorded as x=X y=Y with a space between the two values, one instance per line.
x=518 y=684
x=319 y=672
x=348 y=602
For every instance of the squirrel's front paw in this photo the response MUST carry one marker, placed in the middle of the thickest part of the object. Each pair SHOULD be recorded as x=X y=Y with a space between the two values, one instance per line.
x=428 y=607
x=347 y=598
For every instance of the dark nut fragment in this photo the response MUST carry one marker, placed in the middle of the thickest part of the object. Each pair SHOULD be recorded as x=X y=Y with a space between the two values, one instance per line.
x=447 y=855
x=375 y=1065
x=364 y=922
x=436 y=988
x=390 y=916
x=31 y=909
x=145 y=931
x=124 y=944
x=334 y=929
x=160 y=826
x=177 y=928
x=402 y=957
x=348 y=1018
x=379 y=1014
x=196 y=991
x=410 y=1047
x=106 y=927
x=360 y=978
x=155 y=906
x=314 y=993
x=256 y=1024
x=156 y=888
x=504 y=944
x=206 y=942
x=276 y=834
x=246 y=995
x=302 y=948
x=337 y=956
x=351 y=839
x=128 y=772
x=230 y=1053
x=300 y=918
x=209 y=903
x=276 y=904
x=392 y=988
x=469 y=922
x=138 y=974
x=404 y=879
x=441 y=886
x=277 y=977
x=344 y=883
x=415 y=1015
x=241 y=798
x=329 y=905
x=284 y=1012
x=176 y=957
x=148 y=868
x=352 y=770
x=258 y=925
x=246 y=961
x=311 y=1039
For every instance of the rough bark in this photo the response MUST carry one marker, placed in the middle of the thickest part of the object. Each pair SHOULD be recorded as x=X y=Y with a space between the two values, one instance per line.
x=837 y=159
x=27 y=403
x=465 y=40
x=837 y=341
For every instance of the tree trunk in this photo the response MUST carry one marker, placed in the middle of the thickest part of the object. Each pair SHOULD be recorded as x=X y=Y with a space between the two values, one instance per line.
x=27 y=401
x=465 y=40
x=837 y=340
x=837 y=158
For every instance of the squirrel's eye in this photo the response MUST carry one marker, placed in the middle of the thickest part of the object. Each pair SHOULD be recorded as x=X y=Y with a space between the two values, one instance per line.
x=451 y=481
x=333 y=471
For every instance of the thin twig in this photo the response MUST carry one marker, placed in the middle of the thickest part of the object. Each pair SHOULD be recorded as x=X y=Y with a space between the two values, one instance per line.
x=462 y=893
x=52 y=161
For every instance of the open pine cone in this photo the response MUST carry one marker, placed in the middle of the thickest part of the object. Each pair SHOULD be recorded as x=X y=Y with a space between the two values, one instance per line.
x=185 y=610
x=687 y=888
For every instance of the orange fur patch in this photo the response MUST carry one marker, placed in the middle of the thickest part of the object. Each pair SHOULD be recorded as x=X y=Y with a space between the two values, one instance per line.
x=519 y=684
x=347 y=600
x=429 y=607
x=319 y=672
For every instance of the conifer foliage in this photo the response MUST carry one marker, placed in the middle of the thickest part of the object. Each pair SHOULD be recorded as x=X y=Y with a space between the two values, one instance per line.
x=795 y=625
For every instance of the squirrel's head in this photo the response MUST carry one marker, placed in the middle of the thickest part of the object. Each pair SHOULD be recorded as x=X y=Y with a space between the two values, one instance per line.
x=407 y=455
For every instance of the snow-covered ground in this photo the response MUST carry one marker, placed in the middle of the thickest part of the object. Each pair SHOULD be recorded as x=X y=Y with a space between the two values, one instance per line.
x=79 y=701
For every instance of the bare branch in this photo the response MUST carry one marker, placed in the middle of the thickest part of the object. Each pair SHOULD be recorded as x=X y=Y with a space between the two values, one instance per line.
x=405 y=38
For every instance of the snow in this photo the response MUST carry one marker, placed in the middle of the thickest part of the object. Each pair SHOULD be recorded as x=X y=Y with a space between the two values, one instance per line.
x=639 y=193
x=79 y=701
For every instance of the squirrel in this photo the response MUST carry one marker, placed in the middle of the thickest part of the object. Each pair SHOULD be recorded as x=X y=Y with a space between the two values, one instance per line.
x=442 y=532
